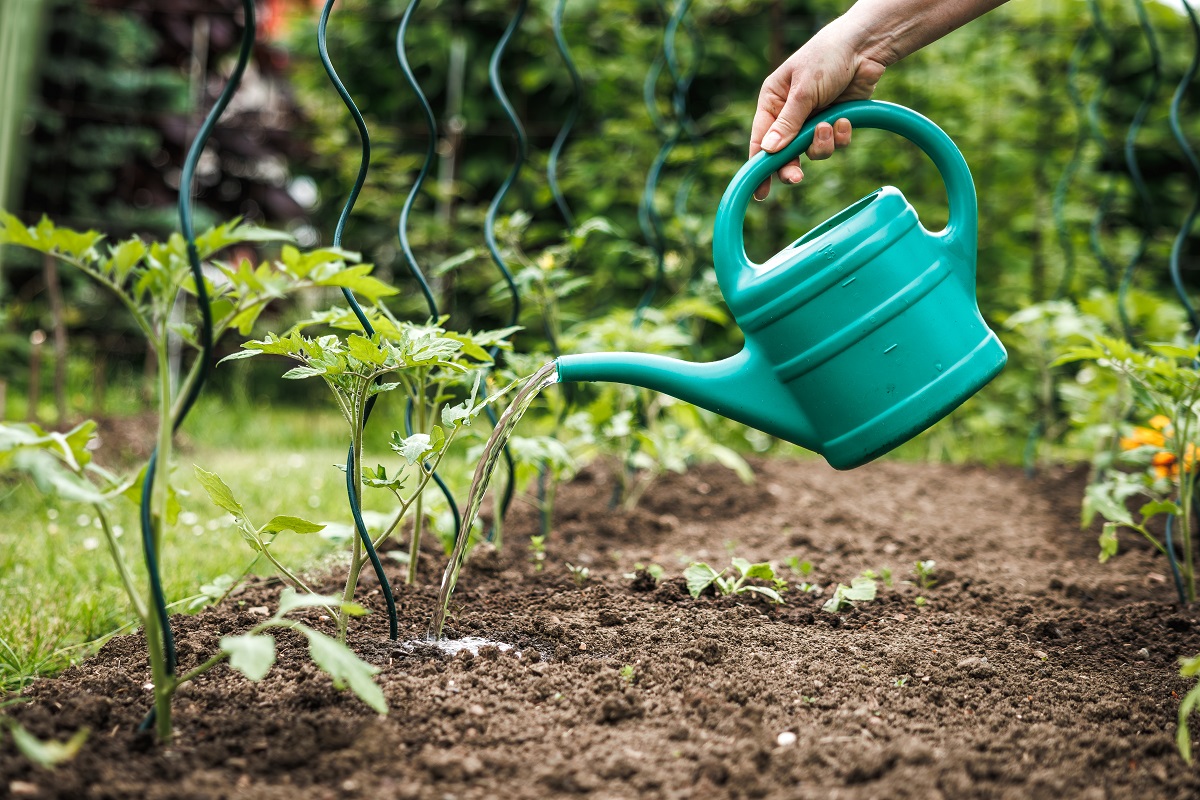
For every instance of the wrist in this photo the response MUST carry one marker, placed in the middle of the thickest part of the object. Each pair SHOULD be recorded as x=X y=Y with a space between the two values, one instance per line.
x=866 y=37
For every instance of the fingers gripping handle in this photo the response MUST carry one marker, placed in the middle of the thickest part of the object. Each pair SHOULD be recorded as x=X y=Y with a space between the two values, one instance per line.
x=729 y=251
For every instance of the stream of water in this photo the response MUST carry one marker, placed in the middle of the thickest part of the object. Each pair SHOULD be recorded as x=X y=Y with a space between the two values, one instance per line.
x=546 y=376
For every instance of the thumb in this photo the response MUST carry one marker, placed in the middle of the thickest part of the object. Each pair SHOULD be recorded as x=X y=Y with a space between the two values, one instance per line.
x=788 y=123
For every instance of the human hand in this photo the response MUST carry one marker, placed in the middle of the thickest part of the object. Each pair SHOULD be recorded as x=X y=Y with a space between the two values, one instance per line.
x=828 y=69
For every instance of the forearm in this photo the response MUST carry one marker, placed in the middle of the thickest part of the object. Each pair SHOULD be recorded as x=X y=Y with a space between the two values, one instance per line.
x=888 y=30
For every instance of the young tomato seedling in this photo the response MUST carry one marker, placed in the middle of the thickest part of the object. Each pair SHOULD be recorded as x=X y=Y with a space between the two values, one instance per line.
x=700 y=576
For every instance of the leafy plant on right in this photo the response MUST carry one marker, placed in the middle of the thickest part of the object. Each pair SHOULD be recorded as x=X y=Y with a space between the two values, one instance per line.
x=1152 y=466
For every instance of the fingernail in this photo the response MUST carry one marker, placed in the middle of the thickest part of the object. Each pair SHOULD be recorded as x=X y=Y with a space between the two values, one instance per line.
x=771 y=141
x=823 y=133
x=843 y=126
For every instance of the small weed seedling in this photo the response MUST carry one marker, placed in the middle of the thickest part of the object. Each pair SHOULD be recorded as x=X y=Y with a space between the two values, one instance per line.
x=627 y=674
x=537 y=552
x=801 y=568
x=924 y=571
x=581 y=575
x=920 y=602
x=700 y=576
x=884 y=575
x=860 y=590
x=1189 y=668
x=655 y=571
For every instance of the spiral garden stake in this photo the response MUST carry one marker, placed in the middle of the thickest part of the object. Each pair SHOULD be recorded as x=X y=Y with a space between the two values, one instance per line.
x=1145 y=199
x=1061 y=189
x=410 y=256
x=353 y=481
x=1093 y=116
x=489 y=229
x=1180 y=241
x=163 y=639
x=1189 y=154
x=573 y=113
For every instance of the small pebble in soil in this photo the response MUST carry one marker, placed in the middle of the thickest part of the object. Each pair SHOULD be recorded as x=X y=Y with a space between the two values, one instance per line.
x=785 y=739
x=1143 y=654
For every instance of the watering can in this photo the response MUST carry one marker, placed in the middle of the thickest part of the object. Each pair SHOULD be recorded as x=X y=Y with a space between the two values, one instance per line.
x=860 y=334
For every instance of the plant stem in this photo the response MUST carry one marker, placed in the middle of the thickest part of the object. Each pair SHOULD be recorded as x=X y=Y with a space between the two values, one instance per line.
x=414 y=548
x=164 y=686
x=122 y=567
x=356 y=561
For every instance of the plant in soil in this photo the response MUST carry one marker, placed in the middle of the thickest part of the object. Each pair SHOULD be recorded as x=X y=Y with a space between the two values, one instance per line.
x=924 y=571
x=425 y=361
x=861 y=590
x=149 y=279
x=580 y=575
x=1149 y=467
x=701 y=576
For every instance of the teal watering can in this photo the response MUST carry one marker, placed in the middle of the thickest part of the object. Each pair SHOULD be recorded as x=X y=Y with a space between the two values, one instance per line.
x=860 y=334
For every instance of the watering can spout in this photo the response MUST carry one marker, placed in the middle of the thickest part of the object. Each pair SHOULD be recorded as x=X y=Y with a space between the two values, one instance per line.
x=742 y=387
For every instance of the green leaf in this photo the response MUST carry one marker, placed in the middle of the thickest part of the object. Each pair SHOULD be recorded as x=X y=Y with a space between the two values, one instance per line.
x=220 y=493
x=345 y=668
x=240 y=354
x=861 y=590
x=1102 y=500
x=1156 y=507
x=1183 y=737
x=699 y=576
x=124 y=257
x=1108 y=541
x=358 y=281
x=284 y=522
x=770 y=594
x=289 y=601
x=47 y=753
x=251 y=655
x=296 y=373
x=365 y=350
x=747 y=570
x=1172 y=350
x=413 y=448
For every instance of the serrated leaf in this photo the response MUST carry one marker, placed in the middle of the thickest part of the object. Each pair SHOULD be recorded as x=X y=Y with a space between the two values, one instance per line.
x=297 y=373
x=251 y=655
x=290 y=601
x=283 y=522
x=365 y=350
x=219 y=492
x=48 y=753
x=699 y=577
x=124 y=257
x=413 y=448
x=346 y=669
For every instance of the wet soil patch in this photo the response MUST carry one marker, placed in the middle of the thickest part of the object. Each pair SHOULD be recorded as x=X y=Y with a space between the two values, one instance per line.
x=1032 y=671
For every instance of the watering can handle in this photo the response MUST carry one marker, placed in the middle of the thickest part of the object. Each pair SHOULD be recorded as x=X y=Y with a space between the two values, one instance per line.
x=960 y=233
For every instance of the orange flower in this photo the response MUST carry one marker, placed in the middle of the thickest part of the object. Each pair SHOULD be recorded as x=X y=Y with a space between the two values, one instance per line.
x=1160 y=422
x=1143 y=437
x=1165 y=464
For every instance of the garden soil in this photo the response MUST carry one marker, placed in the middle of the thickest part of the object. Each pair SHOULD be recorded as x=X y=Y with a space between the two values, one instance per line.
x=1032 y=671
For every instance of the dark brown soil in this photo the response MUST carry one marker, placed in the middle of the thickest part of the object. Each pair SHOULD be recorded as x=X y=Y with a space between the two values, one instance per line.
x=1032 y=672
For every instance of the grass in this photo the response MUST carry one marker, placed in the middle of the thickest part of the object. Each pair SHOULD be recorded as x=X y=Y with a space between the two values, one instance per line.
x=60 y=596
